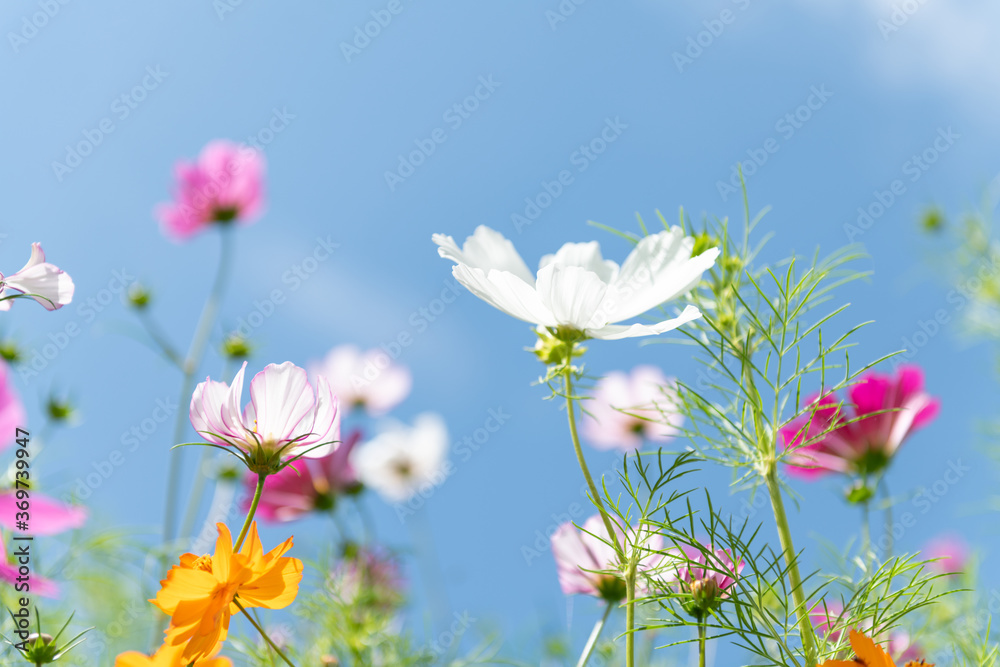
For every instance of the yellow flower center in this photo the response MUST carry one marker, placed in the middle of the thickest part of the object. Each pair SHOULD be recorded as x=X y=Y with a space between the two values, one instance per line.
x=204 y=563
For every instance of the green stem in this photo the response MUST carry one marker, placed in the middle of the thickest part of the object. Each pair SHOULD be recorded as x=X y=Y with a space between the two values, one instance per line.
x=594 y=636
x=866 y=535
x=190 y=367
x=567 y=374
x=630 y=613
x=263 y=634
x=795 y=578
x=701 y=645
x=253 y=510
x=888 y=520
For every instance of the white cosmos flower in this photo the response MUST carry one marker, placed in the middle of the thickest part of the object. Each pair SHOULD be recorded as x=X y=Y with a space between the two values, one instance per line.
x=576 y=287
x=402 y=459
x=45 y=283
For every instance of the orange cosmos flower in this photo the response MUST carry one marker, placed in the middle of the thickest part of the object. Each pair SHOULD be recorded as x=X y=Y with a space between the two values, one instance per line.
x=200 y=593
x=868 y=654
x=167 y=656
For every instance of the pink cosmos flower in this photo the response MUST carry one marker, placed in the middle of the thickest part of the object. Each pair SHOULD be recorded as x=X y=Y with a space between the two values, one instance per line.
x=225 y=184
x=9 y=574
x=706 y=575
x=883 y=412
x=826 y=618
x=47 y=515
x=12 y=413
x=284 y=416
x=371 y=576
x=583 y=558
x=628 y=409
x=312 y=485
x=367 y=380
x=951 y=551
x=45 y=283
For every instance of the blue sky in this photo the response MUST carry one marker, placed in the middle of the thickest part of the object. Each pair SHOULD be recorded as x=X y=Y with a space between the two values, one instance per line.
x=347 y=116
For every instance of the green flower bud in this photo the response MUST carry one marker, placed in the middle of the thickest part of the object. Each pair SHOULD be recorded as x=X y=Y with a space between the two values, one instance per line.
x=10 y=352
x=138 y=296
x=236 y=347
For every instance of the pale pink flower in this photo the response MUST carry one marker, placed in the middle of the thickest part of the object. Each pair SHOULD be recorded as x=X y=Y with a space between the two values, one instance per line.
x=367 y=380
x=629 y=409
x=45 y=283
x=47 y=515
x=312 y=485
x=862 y=437
x=284 y=414
x=705 y=573
x=225 y=185
x=12 y=413
x=826 y=618
x=372 y=577
x=10 y=574
x=951 y=552
x=586 y=561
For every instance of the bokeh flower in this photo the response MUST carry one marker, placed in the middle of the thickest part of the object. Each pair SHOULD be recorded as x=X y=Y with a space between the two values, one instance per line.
x=312 y=485
x=587 y=564
x=577 y=291
x=11 y=575
x=48 y=515
x=368 y=380
x=12 y=414
x=284 y=418
x=826 y=618
x=45 y=283
x=199 y=593
x=629 y=409
x=402 y=460
x=950 y=554
x=861 y=437
x=369 y=576
x=225 y=185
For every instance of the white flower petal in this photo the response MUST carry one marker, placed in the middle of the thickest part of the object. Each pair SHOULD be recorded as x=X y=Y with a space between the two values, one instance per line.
x=281 y=398
x=207 y=403
x=657 y=270
x=616 y=331
x=506 y=292
x=586 y=255
x=46 y=283
x=572 y=293
x=232 y=411
x=486 y=249
x=325 y=424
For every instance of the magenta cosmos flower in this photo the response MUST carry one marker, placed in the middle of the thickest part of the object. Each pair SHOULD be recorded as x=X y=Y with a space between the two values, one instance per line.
x=285 y=417
x=311 y=486
x=226 y=184
x=861 y=437
x=629 y=409
x=45 y=283
x=585 y=557
x=365 y=380
x=10 y=575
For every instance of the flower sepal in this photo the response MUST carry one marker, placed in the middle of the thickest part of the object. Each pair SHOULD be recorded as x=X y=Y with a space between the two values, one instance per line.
x=40 y=648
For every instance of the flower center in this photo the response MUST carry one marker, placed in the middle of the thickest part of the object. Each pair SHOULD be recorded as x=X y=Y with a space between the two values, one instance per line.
x=403 y=468
x=204 y=563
